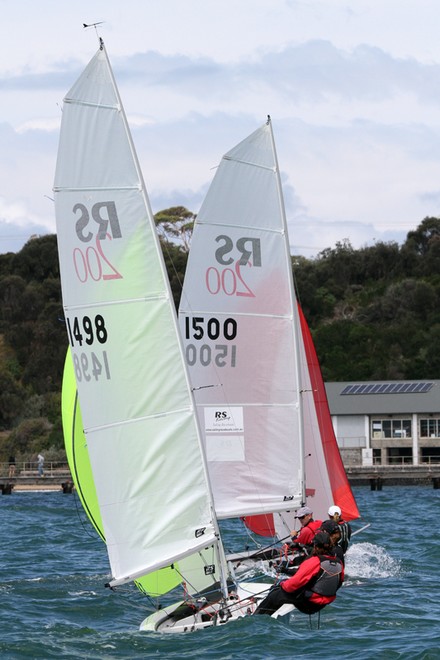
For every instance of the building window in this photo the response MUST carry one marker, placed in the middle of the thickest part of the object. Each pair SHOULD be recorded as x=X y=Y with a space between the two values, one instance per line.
x=430 y=455
x=430 y=428
x=399 y=455
x=391 y=428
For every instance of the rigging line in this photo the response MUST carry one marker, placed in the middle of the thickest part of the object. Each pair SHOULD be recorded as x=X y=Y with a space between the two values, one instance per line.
x=164 y=243
x=185 y=581
x=80 y=494
x=262 y=548
x=82 y=520
x=125 y=591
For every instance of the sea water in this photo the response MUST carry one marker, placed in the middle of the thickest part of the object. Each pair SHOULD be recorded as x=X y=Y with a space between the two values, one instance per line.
x=53 y=602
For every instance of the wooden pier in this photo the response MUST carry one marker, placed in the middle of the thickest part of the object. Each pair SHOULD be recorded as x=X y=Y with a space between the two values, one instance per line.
x=378 y=476
x=29 y=480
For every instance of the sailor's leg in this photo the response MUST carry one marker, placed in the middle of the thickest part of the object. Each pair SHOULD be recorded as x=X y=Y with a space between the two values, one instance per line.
x=274 y=599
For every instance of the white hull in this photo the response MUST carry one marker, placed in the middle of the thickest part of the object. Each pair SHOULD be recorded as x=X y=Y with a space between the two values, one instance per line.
x=178 y=618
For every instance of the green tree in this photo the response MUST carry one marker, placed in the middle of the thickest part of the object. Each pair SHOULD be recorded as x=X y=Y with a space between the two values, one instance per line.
x=176 y=225
x=12 y=399
x=420 y=241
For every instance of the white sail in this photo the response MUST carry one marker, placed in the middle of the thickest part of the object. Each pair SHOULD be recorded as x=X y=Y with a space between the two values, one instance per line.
x=238 y=319
x=136 y=403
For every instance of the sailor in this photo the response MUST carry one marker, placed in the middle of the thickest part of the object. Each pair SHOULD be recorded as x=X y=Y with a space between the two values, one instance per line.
x=334 y=531
x=335 y=514
x=308 y=526
x=294 y=553
x=313 y=586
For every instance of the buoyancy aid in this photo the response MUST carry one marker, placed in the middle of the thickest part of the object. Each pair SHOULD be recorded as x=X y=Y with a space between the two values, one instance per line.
x=328 y=580
x=345 y=530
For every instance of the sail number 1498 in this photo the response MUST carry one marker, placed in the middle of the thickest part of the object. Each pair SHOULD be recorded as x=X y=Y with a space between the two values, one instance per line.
x=91 y=332
x=198 y=328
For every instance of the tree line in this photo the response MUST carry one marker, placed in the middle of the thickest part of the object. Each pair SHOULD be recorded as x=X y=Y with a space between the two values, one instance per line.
x=374 y=314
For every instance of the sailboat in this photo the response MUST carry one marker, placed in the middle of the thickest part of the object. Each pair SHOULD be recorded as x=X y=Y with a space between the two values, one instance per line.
x=143 y=445
x=260 y=396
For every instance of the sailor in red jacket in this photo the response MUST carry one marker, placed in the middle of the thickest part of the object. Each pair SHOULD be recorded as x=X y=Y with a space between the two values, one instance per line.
x=313 y=586
x=309 y=526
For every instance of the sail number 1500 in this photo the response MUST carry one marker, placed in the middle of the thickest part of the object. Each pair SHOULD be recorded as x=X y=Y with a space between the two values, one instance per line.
x=212 y=328
x=197 y=328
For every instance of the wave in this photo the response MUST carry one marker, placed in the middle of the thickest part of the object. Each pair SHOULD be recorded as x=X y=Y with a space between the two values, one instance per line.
x=367 y=560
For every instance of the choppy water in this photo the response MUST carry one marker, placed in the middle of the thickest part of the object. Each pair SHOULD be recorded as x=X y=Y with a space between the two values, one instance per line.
x=53 y=603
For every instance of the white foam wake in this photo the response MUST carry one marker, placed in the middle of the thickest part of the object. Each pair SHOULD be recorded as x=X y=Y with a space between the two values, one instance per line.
x=366 y=560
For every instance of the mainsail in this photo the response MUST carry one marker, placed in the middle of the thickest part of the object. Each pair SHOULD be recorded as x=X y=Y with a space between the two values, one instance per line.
x=137 y=407
x=239 y=323
x=261 y=400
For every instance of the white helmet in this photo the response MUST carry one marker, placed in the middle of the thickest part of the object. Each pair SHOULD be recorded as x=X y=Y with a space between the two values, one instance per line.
x=334 y=509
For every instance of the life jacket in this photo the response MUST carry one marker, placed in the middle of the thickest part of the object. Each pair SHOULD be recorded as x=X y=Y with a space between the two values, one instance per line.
x=345 y=530
x=328 y=580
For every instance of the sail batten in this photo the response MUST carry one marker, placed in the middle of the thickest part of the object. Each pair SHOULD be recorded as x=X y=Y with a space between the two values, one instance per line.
x=269 y=230
x=96 y=189
x=247 y=162
x=100 y=106
x=153 y=297
x=288 y=317
x=168 y=413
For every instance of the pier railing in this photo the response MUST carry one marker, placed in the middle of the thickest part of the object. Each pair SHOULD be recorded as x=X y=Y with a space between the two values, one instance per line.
x=30 y=469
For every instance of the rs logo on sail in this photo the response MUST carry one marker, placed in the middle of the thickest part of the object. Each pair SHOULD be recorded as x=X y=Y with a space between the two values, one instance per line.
x=249 y=249
x=221 y=415
x=104 y=215
x=230 y=279
x=101 y=223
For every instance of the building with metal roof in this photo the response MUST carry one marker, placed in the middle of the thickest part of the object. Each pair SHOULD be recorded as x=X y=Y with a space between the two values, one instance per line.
x=386 y=422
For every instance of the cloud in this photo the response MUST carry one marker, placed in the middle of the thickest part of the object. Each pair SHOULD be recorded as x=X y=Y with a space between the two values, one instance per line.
x=356 y=130
x=39 y=124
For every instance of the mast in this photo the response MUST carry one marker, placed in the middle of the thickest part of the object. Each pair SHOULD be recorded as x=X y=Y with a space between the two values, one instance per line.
x=295 y=318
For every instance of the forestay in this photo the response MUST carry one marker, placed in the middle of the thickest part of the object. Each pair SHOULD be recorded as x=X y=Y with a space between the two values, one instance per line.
x=136 y=403
x=238 y=320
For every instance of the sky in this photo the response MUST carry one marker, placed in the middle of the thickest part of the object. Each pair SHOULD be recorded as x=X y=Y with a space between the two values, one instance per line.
x=353 y=89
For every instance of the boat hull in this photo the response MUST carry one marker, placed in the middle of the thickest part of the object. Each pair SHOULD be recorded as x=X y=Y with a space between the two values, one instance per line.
x=182 y=617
